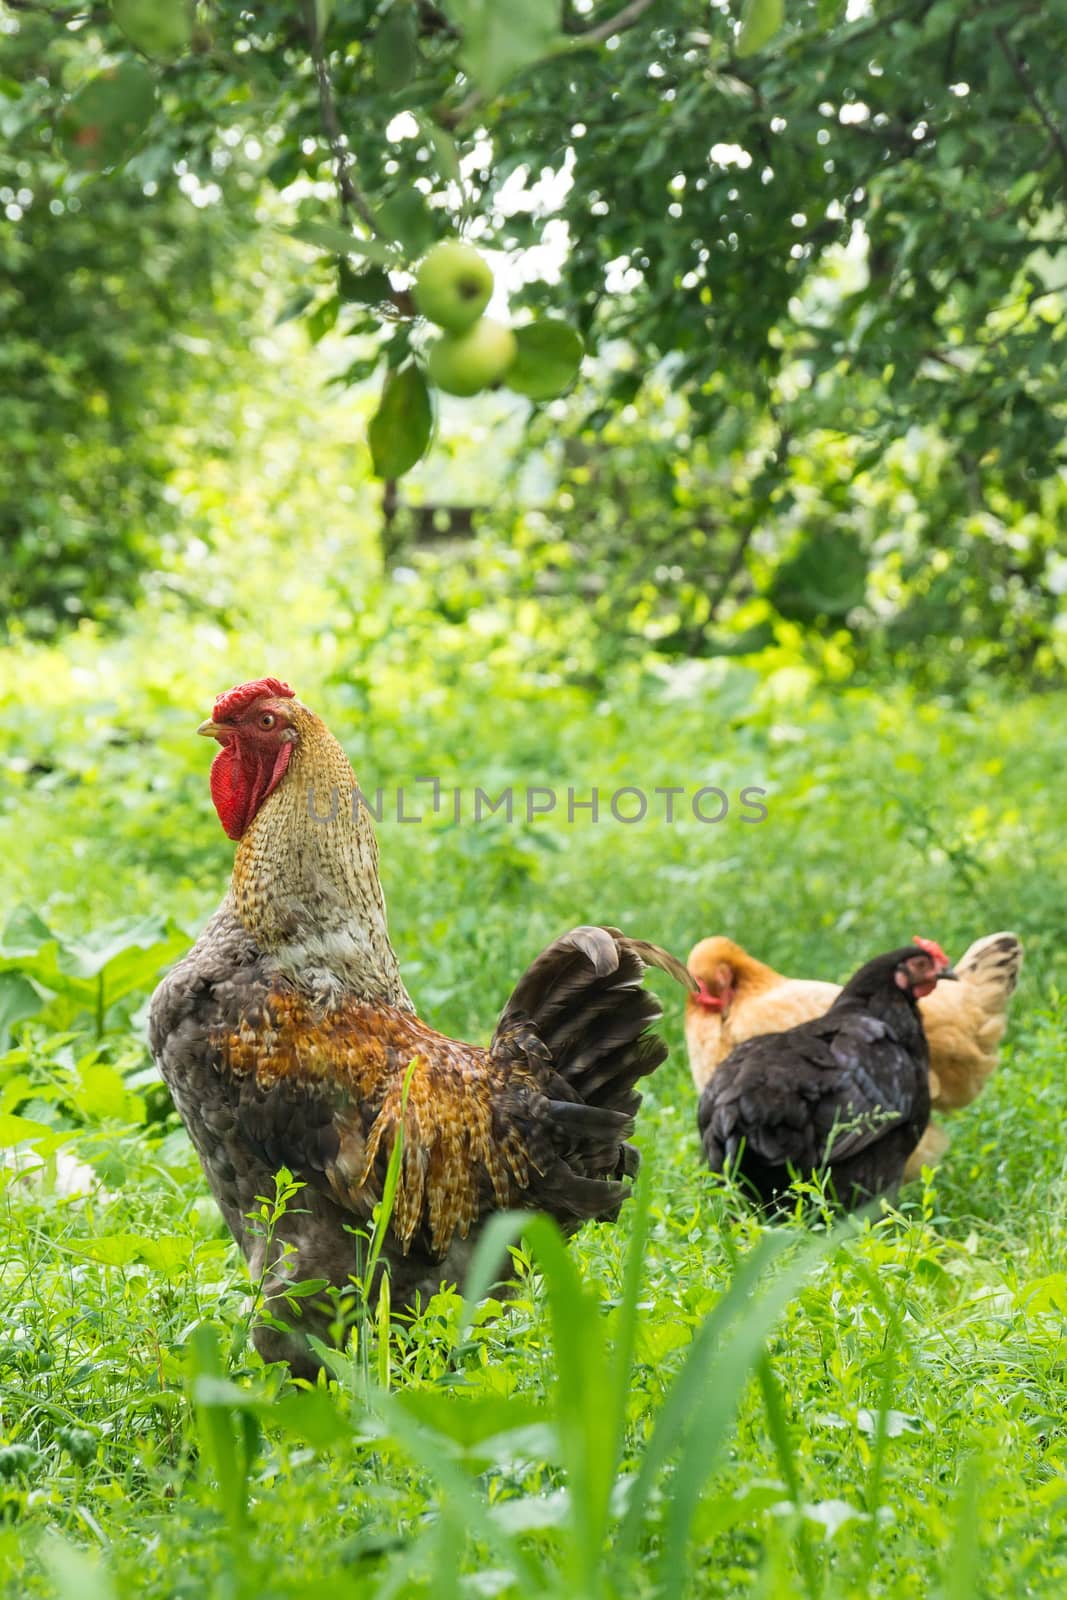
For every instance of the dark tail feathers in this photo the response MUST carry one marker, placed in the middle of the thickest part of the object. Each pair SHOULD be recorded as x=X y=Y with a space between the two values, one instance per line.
x=585 y=1000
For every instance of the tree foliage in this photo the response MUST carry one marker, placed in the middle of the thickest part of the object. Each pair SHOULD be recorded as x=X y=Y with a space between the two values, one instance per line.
x=837 y=233
x=117 y=314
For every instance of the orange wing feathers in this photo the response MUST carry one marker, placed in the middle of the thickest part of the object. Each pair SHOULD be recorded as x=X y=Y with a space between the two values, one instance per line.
x=455 y=1148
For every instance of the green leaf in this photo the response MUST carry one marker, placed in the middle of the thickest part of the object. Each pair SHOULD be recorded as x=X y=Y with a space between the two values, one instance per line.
x=88 y=956
x=964 y=1559
x=168 y=1255
x=24 y=1130
x=294 y=307
x=549 y=356
x=367 y=288
x=407 y=219
x=100 y=124
x=24 y=933
x=103 y=1095
x=535 y=1512
x=306 y=1288
x=341 y=241
x=226 y=1428
x=112 y=1249
x=394 y=48
x=74 y=1572
x=311 y=1416
x=460 y=1493
x=400 y=429
x=161 y=28
x=444 y=147
x=18 y=1000
x=826 y=577
x=323 y=10
x=468 y=1420
x=490 y=1260
x=500 y=37
x=760 y=21
x=323 y=319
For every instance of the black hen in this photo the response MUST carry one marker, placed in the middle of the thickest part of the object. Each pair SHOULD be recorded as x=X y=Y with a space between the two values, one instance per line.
x=847 y=1095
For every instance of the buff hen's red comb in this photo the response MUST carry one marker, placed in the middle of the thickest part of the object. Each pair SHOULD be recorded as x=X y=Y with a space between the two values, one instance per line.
x=234 y=701
x=932 y=949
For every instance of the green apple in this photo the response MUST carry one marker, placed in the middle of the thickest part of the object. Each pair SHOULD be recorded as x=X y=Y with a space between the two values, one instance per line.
x=453 y=285
x=464 y=363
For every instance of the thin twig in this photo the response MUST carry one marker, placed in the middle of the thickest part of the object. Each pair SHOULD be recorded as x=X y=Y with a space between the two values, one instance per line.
x=731 y=571
x=735 y=564
x=1022 y=76
x=350 y=195
x=622 y=20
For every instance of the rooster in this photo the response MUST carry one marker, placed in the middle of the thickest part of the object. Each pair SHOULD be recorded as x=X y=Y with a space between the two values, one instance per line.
x=847 y=1095
x=286 y=1035
x=739 y=997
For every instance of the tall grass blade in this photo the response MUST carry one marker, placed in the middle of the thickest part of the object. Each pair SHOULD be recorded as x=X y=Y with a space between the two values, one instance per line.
x=704 y=1397
x=496 y=1239
x=626 y=1321
x=725 y=1371
x=466 y=1503
x=963 y=1562
x=583 y=1395
x=880 y=1446
x=783 y=1446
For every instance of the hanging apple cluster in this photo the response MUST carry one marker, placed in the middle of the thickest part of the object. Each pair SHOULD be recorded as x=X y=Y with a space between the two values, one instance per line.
x=453 y=286
x=472 y=352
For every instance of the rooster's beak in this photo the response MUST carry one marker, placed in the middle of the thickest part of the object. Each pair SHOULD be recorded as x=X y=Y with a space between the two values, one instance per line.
x=211 y=730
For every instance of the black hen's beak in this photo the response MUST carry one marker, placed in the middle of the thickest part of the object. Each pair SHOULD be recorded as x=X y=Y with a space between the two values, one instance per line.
x=948 y=972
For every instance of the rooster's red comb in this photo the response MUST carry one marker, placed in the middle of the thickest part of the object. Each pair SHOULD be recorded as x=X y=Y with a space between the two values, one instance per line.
x=234 y=701
x=932 y=949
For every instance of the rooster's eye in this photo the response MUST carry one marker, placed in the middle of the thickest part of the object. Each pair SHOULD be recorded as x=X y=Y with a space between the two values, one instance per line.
x=267 y=720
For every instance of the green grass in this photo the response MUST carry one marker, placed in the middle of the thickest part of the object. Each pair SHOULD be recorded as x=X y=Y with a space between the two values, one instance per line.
x=682 y=1404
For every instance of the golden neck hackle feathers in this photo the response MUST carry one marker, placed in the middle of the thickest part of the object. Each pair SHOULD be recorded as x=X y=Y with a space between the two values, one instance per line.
x=749 y=975
x=305 y=878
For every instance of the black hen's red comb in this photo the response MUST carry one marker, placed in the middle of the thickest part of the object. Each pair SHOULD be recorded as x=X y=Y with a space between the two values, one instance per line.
x=932 y=949
x=234 y=701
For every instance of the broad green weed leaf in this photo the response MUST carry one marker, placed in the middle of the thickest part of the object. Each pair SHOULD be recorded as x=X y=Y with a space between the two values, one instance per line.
x=24 y=933
x=18 y=1000
x=15 y=1130
x=88 y=956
